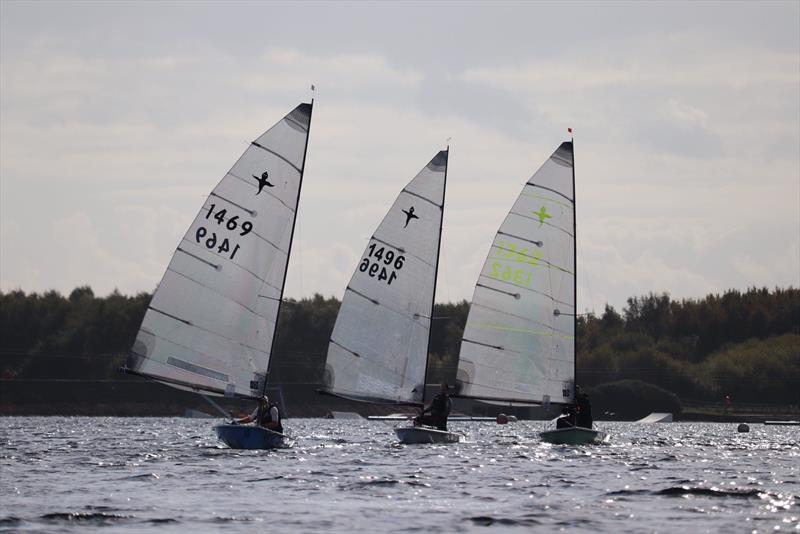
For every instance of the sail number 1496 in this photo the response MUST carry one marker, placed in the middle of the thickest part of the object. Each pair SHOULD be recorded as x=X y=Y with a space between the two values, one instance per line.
x=382 y=264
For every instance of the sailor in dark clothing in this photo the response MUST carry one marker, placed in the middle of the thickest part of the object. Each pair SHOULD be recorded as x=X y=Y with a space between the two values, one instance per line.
x=267 y=415
x=439 y=409
x=578 y=414
x=583 y=407
x=567 y=419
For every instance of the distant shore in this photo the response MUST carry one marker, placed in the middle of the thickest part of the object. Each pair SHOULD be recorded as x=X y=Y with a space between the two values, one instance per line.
x=133 y=397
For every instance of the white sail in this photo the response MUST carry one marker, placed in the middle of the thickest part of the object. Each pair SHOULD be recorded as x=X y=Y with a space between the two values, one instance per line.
x=210 y=323
x=519 y=340
x=379 y=345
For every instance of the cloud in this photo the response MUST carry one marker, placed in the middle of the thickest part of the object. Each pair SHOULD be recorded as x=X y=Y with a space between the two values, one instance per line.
x=687 y=137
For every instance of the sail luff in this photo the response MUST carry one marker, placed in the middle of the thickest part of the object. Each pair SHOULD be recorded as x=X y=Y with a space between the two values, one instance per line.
x=289 y=251
x=435 y=277
x=575 y=273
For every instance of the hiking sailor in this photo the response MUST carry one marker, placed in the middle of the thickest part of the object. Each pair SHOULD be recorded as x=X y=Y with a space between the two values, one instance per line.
x=267 y=415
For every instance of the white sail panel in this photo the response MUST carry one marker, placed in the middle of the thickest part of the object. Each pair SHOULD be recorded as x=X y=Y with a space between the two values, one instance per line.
x=519 y=340
x=211 y=320
x=378 y=348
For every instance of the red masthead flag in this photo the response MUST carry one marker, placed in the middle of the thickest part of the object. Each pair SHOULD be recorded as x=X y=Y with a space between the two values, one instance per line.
x=569 y=130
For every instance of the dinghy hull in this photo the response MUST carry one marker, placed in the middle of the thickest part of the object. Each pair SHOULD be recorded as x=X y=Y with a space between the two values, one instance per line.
x=573 y=436
x=249 y=437
x=411 y=435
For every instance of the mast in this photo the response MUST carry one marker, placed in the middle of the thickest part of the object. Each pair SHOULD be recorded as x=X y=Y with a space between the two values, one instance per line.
x=435 y=277
x=288 y=255
x=574 y=277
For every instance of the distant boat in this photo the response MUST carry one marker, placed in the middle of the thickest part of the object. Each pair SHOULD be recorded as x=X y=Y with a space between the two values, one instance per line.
x=210 y=326
x=518 y=345
x=656 y=417
x=379 y=346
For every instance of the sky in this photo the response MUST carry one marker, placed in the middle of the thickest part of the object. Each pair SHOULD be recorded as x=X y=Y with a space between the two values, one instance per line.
x=116 y=119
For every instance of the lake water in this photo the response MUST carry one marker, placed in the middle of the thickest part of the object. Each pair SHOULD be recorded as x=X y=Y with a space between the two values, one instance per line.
x=60 y=474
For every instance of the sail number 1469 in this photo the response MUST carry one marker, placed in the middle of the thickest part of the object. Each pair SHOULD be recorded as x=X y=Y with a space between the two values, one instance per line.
x=232 y=224
x=382 y=264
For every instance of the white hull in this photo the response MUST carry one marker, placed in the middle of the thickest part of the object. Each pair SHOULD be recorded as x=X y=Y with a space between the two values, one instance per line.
x=411 y=435
x=574 y=436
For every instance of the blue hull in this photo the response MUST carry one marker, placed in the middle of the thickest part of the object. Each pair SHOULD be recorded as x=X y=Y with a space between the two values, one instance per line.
x=249 y=437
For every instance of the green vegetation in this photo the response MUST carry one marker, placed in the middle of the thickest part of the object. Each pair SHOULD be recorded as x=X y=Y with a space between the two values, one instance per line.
x=632 y=399
x=742 y=344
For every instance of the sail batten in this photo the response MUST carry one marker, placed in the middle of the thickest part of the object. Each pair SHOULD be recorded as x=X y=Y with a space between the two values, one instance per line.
x=517 y=343
x=379 y=344
x=212 y=318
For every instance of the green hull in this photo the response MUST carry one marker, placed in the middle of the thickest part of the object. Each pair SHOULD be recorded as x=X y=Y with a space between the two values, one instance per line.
x=411 y=435
x=574 y=436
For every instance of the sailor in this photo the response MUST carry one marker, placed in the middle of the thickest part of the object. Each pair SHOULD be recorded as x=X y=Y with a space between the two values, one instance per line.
x=583 y=408
x=270 y=416
x=439 y=409
x=567 y=419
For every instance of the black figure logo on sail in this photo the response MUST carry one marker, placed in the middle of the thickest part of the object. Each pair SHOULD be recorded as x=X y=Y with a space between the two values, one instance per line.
x=409 y=215
x=263 y=181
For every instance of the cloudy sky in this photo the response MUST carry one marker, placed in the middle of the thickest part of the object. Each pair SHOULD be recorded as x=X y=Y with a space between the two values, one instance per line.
x=117 y=118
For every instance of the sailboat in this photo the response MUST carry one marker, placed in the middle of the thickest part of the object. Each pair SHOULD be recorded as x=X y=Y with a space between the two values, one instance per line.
x=518 y=345
x=379 y=346
x=210 y=326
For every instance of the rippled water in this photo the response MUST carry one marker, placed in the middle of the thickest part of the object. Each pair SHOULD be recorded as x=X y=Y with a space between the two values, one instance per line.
x=130 y=474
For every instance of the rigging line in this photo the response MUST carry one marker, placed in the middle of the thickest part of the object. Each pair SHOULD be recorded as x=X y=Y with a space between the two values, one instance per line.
x=551 y=190
x=230 y=262
x=295 y=167
x=402 y=250
x=408 y=318
x=499 y=281
x=362 y=295
x=254 y=312
x=530 y=289
x=354 y=353
x=184 y=321
x=527 y=319
x=214 y=266
x=299 y=125
x=381 y=241
x=535 y=219
x=497 y=347
x=269 y=194
x=420 y=197
x=525 y=356
x=232 y=203
x=538 y=260
x=193 y=325
x=554 y=201
x=515 y=295
x=537 y=243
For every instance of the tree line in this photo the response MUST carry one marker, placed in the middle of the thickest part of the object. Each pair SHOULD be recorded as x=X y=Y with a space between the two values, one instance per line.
x=742 y=344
